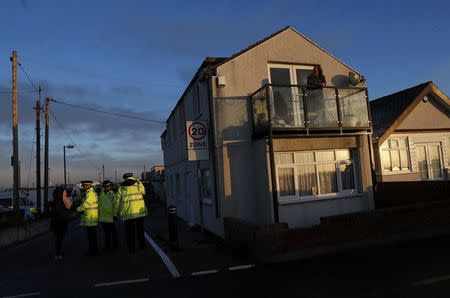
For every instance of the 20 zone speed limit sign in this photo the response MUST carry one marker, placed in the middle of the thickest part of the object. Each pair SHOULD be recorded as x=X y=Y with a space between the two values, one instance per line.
x=197 y=140
x=197 y=130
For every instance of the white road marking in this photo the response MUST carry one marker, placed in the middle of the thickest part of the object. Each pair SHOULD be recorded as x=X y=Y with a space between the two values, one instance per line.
x=121 y=282
x=205 y=272
x=241 y=267
x=173 y=270
x=430 y=281
x=23 y=295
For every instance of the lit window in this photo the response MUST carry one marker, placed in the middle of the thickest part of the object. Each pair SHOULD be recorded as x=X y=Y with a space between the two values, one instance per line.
x=306 y=174
x=395 y=155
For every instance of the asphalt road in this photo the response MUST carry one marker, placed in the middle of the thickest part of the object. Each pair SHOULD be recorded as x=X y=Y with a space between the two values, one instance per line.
x=412 y=269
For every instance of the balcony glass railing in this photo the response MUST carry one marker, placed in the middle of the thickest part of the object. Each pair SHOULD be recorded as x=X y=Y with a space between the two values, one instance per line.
x=304 y=107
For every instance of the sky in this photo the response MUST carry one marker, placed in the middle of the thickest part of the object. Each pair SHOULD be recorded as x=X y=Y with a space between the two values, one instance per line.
x=136 y=57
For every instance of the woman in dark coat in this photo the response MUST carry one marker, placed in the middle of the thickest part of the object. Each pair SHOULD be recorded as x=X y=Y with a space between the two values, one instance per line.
x=60 y=217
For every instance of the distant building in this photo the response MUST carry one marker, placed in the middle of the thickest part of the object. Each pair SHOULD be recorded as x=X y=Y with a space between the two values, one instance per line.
x=412 y=134
x=279 y=150
x=154 y=181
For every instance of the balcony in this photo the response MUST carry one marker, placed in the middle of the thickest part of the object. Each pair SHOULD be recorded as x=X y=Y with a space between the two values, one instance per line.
x=295 y=108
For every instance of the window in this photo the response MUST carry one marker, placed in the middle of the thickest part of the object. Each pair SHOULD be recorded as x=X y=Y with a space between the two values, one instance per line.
x=395 y=155
x=196 y=99
x=310 y=174
x=206 y=183
x=181 y=119
x=178 y=187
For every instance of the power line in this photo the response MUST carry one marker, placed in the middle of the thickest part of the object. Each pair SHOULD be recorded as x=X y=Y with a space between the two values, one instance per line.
x=73 y=142
x=56 y=120
x=105 y=112
x=24 y=91
x=28 y=77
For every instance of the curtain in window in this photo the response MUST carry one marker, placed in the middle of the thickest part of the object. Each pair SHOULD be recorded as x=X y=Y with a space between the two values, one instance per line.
x=307 y=180
x=327 y=178
x=286 y=182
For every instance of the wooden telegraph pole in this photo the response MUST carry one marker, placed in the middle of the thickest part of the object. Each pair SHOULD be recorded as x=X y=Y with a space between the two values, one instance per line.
x=47 y=115
x=38 y=152
x=15 y=131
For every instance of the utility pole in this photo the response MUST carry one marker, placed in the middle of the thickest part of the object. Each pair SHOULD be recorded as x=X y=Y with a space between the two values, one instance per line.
x=103 y=172
x=115 y=176
x=47 y=115
x=38 y=152
x=15 y=131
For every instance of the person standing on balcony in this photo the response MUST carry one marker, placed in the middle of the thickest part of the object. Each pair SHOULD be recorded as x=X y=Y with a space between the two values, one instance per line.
x=316 y=78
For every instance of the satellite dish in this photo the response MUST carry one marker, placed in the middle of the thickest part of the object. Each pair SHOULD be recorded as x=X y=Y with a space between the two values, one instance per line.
x=354 y=78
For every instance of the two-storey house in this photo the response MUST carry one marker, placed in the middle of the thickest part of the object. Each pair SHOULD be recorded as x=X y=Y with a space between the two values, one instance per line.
x=280 y=150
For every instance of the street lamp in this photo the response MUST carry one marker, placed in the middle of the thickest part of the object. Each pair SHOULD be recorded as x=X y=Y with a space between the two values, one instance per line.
x=64 y=149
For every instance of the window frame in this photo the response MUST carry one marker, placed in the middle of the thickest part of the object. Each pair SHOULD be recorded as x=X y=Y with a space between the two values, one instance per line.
x=341 y=191
x=386 y=147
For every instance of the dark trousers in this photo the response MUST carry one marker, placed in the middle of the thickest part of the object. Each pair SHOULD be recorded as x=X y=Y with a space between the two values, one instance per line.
x=59 y=231
x=134 y=231
x=92 y=239
x=110 y=235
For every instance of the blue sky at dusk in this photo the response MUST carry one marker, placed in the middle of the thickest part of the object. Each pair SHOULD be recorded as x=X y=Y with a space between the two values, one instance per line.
x=136 y=57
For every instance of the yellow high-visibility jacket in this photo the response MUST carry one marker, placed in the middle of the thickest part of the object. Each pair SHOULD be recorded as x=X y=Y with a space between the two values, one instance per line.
x=107 y=208
x=89 y=207
x=131 y=200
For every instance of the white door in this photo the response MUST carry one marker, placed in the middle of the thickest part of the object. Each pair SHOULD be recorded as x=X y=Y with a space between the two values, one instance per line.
x=429 y=161
x=287 y=105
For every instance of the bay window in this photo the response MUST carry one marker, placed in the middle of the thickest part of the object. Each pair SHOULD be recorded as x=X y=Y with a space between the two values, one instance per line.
x=309 y=175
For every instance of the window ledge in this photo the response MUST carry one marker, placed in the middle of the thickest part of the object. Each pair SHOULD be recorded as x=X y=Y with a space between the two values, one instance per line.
x=318 y=198
x=207 y=201
x=397 y=172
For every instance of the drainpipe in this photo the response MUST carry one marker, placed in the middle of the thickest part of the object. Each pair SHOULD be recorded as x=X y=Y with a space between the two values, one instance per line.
x=276 y=215
x=212 y=142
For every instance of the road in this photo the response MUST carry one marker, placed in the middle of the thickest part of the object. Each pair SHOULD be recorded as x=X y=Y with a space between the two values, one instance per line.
x=412 y=269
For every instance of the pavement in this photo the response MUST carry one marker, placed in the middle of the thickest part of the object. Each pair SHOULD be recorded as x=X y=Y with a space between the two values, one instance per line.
x=415 y=268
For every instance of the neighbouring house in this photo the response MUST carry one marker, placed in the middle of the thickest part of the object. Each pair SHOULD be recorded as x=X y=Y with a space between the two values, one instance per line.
x=411 y=134
x=280 y=151
x=153 y=181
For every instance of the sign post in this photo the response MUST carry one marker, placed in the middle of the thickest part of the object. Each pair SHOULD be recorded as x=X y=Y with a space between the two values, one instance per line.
x=197 y=140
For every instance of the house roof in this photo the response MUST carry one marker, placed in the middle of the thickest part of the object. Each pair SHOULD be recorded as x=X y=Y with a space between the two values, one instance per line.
x=214 y=62
x=207 y=63
x=385 y=110
x=389 y=111
x=275 y=34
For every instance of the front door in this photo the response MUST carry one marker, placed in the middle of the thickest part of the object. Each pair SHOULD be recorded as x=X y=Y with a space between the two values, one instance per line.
x=429 y=161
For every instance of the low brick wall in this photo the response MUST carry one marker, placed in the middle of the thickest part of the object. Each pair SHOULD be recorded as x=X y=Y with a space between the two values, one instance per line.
x=264 y=241
x=389 y=194
x=16 y=234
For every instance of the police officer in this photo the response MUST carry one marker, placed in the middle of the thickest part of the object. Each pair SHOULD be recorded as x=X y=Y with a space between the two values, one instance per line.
x=89 y=216
x=107 y=211
x=132 y=210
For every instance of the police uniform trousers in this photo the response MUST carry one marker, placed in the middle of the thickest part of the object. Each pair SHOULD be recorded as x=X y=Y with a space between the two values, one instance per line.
x=110 y=235
x=134 y=231
x=92 y=240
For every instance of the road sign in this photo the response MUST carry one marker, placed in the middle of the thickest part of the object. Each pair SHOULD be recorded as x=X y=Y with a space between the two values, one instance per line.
x=197 y=140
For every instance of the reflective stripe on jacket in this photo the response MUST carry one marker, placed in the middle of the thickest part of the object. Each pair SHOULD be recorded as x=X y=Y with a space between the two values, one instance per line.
x=131 y=200
x=89 y=207
x=107 y=208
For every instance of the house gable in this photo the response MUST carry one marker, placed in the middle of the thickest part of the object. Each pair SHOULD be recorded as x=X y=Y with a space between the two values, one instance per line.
x=428 y=114
x=247 y=71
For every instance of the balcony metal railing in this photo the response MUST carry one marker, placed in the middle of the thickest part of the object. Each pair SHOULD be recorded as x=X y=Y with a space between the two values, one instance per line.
x=296 y=107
